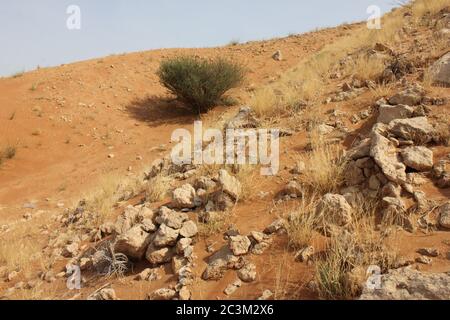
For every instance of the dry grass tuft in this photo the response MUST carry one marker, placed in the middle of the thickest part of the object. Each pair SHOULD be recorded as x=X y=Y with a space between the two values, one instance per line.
x=324 y=167
x=157 y=188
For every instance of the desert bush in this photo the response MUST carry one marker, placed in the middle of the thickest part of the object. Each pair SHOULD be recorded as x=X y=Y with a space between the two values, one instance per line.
x=200 y=83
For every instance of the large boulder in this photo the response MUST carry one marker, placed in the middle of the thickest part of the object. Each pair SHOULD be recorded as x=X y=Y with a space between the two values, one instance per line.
x=334 y=209
x=440 y=71
x=386 y=157
x=416 y=129
x=418 y=158
x=389 y=113
x=184 y=197
x=409 y=284
x=133 y=243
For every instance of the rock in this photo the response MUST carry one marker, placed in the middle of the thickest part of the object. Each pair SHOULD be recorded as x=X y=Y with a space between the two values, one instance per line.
x=412 y=96
x=444 y=216
x=276 y=226
x=408 y=284
x=418 y=158
x=240 y=245
x=416 y=129
x=165 y=236
x=162 y=295
x=178 y=263
x=231 y=288
x=354 y=176
x=183 y=244
x=386 y=157
x=247 y=273
x=361 y=150
x=205 y=183
x=305 y=254
x=440 y=71
x=389 y=113
x=184 y=197
x=70 y=250
x=334 y=209
x=12 y=275
x=148 y=275
x=223 y=201
x=171 y=218
x=245 y=119
x=293 y=188
x=259 y=237
x=229 y=184
x=441 y=172
x=424 y=260
x=103 y=295
x=133 y=243
x=159 y=256
x=277 y=56
x=184 y=294
x=429 y=252
x=298 y=168
x=189 y=229
x=267 y=294
x=219 y=262
x=324 y=129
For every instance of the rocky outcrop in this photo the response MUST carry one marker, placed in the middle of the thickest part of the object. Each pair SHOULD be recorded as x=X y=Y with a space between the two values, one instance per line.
x=440 y=71
x=408 y=284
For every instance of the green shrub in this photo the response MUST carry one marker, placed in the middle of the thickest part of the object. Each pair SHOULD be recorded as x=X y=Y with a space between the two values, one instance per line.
x=200 y=83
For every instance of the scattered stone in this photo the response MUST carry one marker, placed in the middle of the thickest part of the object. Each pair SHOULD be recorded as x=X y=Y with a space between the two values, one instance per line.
x=70 y=250
x=276 y=226
x=189 y=229
x=162 y=295
x=229 y=184
x=418 y=158
x=159 y=256
x=411 y=97
x=267 y=294
x=231 y=288
x=184 y=294
x=240 y=245
x=293 y=189
x=429 y=252
x=334 y=209
x=103 y=295
x=182 y=245
x=219 y=262
x=184 y=197
x=424 y=260
x=277 y=56
x=247 y=273
x=148 y=275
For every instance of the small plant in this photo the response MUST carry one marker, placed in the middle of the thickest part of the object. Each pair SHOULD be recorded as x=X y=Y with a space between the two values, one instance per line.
x=200 y=83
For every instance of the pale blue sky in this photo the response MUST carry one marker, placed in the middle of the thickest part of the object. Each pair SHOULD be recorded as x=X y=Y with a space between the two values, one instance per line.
x=34 y=32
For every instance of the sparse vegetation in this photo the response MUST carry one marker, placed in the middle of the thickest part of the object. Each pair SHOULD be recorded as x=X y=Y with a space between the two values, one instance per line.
x=200 y=83
x=157 y=188
x=8 y=152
